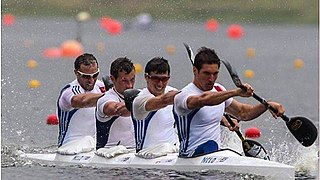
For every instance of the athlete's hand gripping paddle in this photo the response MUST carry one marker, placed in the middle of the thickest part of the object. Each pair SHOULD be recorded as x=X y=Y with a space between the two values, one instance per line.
x=301 y=127
x=250 y=148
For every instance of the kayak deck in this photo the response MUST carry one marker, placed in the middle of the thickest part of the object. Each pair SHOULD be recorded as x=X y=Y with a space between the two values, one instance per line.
x=227 y=161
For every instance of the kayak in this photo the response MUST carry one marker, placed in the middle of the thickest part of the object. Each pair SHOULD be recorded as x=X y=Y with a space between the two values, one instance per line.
x=225 y=160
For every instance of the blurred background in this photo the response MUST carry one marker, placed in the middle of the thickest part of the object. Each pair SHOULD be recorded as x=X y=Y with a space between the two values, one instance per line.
x=274 y=45
x=249 y=11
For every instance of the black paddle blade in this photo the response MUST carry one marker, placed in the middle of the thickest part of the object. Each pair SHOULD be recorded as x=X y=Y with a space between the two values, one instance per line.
x=190 y=52
x=233 y=73
x=254 y=149
x=107 y=82
x=129 y=95
x=303 y=130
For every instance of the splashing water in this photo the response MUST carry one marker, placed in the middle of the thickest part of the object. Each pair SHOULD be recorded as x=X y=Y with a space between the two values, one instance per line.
x=306 y=161
x=230 y=140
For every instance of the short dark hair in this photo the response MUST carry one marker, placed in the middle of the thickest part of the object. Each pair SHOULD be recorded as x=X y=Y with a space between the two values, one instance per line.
x=158 y=65
x=85 y=59
x=119 y=65
x=206 y=56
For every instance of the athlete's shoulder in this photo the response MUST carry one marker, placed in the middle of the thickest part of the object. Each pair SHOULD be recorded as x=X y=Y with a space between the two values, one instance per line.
x=189 y=87
x=219 y=87
x=99 y=83
x=170 y=88
x=73 y=87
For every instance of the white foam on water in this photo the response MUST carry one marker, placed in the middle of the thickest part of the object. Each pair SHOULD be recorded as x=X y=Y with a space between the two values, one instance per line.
x=304 y=159
x=307 y=159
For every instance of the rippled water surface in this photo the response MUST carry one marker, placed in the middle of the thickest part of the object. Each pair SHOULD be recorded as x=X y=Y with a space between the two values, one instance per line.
x=24 y=110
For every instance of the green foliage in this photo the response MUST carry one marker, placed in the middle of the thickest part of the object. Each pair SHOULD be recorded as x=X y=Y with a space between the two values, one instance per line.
x=244 y=11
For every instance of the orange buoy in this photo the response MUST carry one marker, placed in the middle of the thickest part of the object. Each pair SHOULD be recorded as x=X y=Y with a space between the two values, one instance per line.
x=251 y=53
x=137 y=67
x=249 y=73
x=253 y=132
x=32 y=64
x=298 y=63
x=171 y=49
x=34 y=83
x=52 y=119
x=71 y=48
x=235 y=31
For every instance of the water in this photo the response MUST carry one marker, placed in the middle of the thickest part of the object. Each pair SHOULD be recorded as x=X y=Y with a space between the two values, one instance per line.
x=24 y=110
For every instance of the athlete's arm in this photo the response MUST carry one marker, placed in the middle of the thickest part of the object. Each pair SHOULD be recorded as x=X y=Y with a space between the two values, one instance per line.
x=247 y=112
x=85 y=100
x=161 y=101
x=210 y=98
x=115 y=109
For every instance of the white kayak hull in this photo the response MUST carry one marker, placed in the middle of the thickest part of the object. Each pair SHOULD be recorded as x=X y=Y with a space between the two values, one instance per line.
x=226 y=161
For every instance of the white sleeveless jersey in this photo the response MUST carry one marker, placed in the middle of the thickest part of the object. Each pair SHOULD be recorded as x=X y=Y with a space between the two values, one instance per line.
x=152 y=127
x=113 y=130
x=75 y=123
x=197 y=126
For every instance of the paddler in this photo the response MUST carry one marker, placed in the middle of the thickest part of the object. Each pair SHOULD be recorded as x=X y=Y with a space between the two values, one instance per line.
x=152 y=112
x=200 y=106
x=76 y=107
x=115 y=133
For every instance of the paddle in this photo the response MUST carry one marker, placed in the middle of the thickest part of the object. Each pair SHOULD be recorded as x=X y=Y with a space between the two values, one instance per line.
x=250 y=148
x=129 y=95
x=107 y=82
x=190 y=53
x=301 y=127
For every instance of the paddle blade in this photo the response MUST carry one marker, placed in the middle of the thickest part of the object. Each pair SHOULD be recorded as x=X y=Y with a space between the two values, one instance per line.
x=254 y=149
x=107 y=82
x=190 y=53
x=303 y=130
x=233 y=73
x=129 y=95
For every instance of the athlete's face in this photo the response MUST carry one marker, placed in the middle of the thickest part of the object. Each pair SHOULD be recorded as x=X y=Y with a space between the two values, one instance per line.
x=157 y=83
x=87 y=76
x=206 y=77
x=124 y=81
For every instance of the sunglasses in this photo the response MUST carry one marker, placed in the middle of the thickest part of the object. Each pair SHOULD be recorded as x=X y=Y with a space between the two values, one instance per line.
x=88 y=76
x=158 y=78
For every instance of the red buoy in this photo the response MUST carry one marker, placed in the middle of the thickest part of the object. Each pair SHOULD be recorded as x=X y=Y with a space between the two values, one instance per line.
x=235 y=31
x=112 y=26
x=52 y=119
x=212 y=25
x=52 y=52
x=8 y=19
x=253 y=132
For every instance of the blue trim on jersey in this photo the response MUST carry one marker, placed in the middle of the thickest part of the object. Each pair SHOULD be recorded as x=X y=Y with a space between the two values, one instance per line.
x=206 y=148
x=183 y=127
x=103 y=131
x=64 y=119
x=140 y=129
x=76 y=89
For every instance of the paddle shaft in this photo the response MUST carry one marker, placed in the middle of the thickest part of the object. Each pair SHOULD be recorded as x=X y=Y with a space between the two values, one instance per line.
x=301 y=128
x=233 y=125
x=264 y=102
